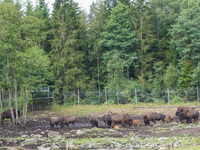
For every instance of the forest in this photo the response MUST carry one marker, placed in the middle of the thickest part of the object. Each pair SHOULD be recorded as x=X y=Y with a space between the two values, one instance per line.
x=118 y=47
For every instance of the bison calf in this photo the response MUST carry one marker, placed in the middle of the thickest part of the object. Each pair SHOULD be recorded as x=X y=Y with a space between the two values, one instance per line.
x=166 y=119
x=7 y=114
x=67 y=120
x=117 y=126
x=55 y=121
x=137 y=122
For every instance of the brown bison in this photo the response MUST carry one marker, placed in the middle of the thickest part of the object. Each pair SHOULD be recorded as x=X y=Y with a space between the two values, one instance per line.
x=171 y=118
x=94 y=120
x=107 y=118
x=181 y=109
x=153 y=117
x=7 y=114
x=120 y=118
x=55 y=121
x=189 y=115
x=67 y=120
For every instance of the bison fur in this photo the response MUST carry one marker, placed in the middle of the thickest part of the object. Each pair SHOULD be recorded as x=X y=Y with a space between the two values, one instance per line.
x=94 y=120
x=55 y=121
x=67 y=120
x=7 y=114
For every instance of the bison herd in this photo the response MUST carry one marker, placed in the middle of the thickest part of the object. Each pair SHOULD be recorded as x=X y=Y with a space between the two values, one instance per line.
x=184 y=114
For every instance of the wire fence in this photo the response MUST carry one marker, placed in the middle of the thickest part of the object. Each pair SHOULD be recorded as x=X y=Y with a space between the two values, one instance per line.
x=122 y=96
x=46 y=100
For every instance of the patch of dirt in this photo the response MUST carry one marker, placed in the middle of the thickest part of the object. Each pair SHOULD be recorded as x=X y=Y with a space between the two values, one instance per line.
x=41 y=126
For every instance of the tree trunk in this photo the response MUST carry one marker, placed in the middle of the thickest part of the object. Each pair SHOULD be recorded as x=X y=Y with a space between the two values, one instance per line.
x=1 y=104
x=9 y=90
x=98 y=66
x=16 y=102
x=25 y=106
x=15 y=86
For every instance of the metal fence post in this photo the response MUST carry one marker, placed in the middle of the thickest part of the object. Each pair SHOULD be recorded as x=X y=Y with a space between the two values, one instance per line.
x=117 y=96
x=106 y=98
x=78 y=99
x=135 y=96
x=168 y=96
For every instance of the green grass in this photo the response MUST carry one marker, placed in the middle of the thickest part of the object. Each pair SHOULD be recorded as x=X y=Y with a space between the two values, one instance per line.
x=85 y=110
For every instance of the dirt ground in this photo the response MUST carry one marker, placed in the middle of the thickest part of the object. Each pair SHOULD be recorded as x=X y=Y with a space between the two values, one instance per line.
x=41 y=126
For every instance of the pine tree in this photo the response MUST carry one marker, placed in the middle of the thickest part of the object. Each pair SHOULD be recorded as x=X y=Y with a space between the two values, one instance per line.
x=97 y=17
x=142 y=18
x=66 y=55
x=119 y=38
x=29 y=9
x=42 y=12
x=186 y=34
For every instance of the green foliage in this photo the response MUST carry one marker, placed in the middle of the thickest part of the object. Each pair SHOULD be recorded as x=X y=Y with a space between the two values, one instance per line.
x=170 y=77
x=66 y=55
x=184 y=79
x=118 y=39
x=186 y=34
x=35 y=68
x=29 y=8
x=195 y=81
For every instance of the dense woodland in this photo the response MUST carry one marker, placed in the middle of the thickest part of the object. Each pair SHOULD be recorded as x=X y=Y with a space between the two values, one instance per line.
x=120 y=45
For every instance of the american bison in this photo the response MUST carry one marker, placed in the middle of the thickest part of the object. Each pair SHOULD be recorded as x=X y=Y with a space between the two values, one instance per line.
x=166 y=119
x=171 y=118
x=7 y=114
x=94 y=120
x=120 y=118
x=67 y=120
x=117 y=126
x=153 y=117
x=137 y=122
x=180 y=109
x=107 y=118
x=55 y=121
x=188 y=115
x=146 y=119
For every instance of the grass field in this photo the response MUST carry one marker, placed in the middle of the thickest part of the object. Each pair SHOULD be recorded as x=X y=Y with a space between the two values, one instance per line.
x=84 y=110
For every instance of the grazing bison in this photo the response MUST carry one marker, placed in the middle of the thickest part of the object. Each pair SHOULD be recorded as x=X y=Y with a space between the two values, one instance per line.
x=189 y=115
x=94 y=120
x=107 y=118
x=153 y=117
x=120 y=118
x=67 y=120
x=7 y=114
x=55 y=121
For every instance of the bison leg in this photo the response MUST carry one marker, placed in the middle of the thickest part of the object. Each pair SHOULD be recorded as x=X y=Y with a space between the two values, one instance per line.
x=96 y=124
x=52 y=125
x=154 y=121
x=113 y=124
